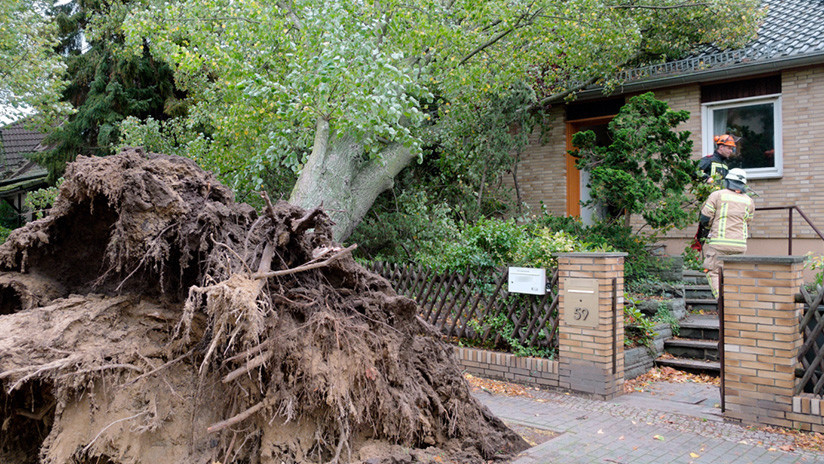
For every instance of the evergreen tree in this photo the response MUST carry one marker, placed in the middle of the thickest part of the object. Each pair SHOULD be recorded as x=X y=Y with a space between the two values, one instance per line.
x=105 y=87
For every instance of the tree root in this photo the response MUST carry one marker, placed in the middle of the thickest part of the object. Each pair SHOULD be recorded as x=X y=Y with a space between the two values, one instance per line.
x=87 y=447
x=236 y=418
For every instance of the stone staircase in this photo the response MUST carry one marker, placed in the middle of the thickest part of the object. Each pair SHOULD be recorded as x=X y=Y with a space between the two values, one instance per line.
x=696 y=347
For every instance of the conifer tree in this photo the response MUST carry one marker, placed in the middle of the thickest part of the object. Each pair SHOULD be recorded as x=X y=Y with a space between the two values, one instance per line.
x=104 y=87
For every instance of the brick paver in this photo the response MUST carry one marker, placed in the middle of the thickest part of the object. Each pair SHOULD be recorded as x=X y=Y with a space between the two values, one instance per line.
x=615 y=432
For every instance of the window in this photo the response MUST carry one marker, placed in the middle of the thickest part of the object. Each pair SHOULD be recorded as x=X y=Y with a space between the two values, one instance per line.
x=756 y=122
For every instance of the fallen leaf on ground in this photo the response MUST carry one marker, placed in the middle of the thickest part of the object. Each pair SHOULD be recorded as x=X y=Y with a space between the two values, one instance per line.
x=667 y=374
x=496 y=387
x=810 y=441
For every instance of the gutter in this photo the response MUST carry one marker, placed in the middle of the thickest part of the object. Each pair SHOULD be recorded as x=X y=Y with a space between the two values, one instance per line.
x=21 y=183
x=734 y=71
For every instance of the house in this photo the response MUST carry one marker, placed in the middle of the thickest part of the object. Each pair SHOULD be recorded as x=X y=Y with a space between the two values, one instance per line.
x=18 y=174
x=771 y=93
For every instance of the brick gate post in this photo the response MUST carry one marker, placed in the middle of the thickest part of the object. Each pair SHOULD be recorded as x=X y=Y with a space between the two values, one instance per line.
x=762 y=339
x=591 y=323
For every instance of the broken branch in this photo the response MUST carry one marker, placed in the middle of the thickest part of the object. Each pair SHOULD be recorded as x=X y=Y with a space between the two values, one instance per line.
x=305 y=267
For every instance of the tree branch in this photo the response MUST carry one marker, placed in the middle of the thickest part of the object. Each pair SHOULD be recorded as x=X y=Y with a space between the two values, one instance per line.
x=518 y=25
x=656 y=7
x=556 y=97
x=305 y=267
x=295 y=20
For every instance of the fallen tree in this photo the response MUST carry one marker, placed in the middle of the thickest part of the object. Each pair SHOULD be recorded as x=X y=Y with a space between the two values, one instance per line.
x=149 y=318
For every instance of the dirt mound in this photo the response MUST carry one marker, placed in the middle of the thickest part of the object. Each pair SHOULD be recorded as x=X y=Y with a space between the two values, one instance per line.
x=149 y=319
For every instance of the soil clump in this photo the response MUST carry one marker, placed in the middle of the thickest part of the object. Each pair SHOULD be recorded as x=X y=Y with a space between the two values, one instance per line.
x=150 y=319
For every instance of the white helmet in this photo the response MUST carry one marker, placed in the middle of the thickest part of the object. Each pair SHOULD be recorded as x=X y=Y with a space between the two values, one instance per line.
x=736 y=179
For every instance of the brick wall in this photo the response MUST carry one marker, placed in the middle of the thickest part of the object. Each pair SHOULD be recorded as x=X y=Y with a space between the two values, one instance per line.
x=592 y=358
x=542 y=373
x=762 y=341
x=542 y=171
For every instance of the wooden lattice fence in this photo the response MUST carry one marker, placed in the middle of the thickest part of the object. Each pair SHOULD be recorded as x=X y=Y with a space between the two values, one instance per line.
x=811 y=354
x=467 y=306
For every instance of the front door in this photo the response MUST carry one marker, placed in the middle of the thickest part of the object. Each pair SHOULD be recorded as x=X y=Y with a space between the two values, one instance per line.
x=577 y=181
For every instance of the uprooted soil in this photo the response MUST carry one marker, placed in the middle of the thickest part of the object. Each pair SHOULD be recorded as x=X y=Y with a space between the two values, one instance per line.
x=151 y=319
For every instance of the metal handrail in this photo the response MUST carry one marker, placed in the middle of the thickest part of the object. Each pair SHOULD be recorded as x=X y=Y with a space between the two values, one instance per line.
x=790 y=227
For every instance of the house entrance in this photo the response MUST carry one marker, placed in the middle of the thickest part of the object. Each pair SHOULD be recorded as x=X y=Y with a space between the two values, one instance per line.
x=577 y=181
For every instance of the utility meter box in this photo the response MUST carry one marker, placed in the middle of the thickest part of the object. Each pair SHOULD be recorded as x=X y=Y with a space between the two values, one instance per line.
x=527 y=280
x=581 y=302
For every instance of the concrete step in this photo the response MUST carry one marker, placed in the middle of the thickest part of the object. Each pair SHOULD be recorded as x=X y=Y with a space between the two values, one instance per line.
x=702 y=286
x=694 y=277
x=704 y=304
x=702 y=327
x=712 y=367
x=696 y=291
x=692 y=348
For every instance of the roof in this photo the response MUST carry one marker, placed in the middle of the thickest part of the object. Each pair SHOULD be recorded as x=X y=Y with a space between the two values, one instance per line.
x=15 y=143
x=791 y=35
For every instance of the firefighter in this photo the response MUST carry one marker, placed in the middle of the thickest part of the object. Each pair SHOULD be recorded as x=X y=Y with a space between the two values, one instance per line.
x=714 y=167
x=715 y=164
x=725 y=215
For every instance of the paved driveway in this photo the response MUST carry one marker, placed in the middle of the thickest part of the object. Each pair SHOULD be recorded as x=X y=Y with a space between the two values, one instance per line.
x=670 y=423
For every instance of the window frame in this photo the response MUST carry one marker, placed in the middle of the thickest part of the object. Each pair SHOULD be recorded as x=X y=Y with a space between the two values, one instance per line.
x=707 y=130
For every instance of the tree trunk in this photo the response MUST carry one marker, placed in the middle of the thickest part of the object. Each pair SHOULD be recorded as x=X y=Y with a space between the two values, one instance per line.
x=338 y=175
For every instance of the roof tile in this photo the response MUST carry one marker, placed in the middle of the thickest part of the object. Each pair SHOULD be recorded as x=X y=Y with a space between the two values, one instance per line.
x=15 y=143
x=791 y=28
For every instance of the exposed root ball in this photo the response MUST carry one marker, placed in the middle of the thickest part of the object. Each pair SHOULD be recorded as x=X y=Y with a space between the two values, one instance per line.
x=174 y=325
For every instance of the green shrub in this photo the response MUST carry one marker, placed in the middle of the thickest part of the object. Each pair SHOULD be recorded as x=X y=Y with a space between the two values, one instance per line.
x=39 y=201
x=692 y=259
x=496 y=243
x=416 y=226
x=638 y=328
x=639 y=264
x=815 y=263
x=492 y=244
x=664 y=315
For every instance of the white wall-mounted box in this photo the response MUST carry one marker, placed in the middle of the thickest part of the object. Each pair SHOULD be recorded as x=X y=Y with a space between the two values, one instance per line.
x=527 y=280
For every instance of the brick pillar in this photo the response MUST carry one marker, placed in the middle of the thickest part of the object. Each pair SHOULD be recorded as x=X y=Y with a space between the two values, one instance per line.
x=591 y=346
x=761 y=337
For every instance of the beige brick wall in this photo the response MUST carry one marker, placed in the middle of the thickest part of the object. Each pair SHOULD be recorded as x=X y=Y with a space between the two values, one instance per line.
x=542 y=373
x=761 y=344
x=542 y=171
x=688 y=98
x=592 y=358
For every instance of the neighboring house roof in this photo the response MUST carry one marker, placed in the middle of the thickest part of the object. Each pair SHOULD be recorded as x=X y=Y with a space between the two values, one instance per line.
x=16 y=170
x=791 y=35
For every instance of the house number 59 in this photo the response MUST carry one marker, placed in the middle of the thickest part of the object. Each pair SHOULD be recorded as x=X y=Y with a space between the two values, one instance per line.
x=581 y=314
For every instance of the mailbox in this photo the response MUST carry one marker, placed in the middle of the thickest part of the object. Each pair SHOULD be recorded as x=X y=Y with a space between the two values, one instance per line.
x=527 y=280
x=581 y=302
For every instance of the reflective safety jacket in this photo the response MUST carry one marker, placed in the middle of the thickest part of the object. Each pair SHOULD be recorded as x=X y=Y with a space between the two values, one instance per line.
x=729 y=213
x=713 y=164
